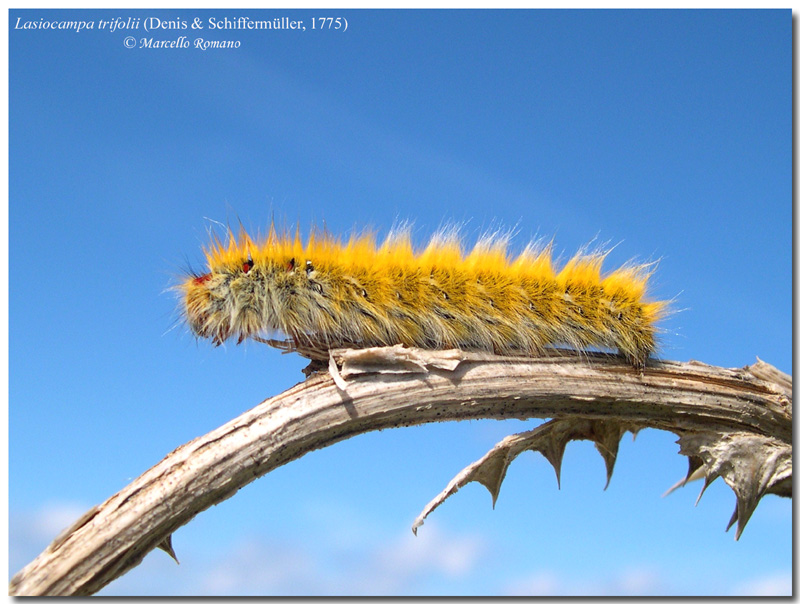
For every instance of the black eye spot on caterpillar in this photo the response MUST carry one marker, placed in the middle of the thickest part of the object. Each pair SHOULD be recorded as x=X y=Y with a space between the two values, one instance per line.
x=483 y=300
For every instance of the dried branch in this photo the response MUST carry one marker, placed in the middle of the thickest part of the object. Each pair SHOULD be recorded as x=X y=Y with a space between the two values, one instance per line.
x=734 y=423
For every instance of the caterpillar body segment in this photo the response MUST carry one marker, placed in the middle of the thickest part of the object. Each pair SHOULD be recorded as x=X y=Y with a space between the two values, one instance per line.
x=326 y=294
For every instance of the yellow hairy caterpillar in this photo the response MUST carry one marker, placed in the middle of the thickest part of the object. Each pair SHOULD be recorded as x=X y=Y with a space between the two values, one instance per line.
x=325 y=294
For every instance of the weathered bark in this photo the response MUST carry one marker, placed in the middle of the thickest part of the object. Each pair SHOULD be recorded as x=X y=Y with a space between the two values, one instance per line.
x=734 y=423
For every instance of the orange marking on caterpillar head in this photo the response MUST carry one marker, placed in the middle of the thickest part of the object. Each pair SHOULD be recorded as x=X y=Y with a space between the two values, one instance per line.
x=201 y=279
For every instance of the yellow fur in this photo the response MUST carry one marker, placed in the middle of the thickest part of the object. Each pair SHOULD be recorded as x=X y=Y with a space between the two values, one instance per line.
x=326 y=294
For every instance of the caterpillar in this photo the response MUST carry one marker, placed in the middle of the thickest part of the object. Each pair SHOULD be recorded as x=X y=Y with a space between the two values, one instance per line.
x=326 y=293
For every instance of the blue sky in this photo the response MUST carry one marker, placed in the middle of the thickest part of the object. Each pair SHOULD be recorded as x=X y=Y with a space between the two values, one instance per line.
x=665 y=133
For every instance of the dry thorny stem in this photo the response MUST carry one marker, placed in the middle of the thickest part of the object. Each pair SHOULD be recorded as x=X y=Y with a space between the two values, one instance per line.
x=733 y=423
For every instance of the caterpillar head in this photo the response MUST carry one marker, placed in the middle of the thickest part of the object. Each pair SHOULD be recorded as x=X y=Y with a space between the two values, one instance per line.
x=221 y=303
x=243 y=297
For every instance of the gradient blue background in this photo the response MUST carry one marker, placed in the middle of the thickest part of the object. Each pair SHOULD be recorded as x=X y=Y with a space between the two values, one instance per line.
x=665 y=133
